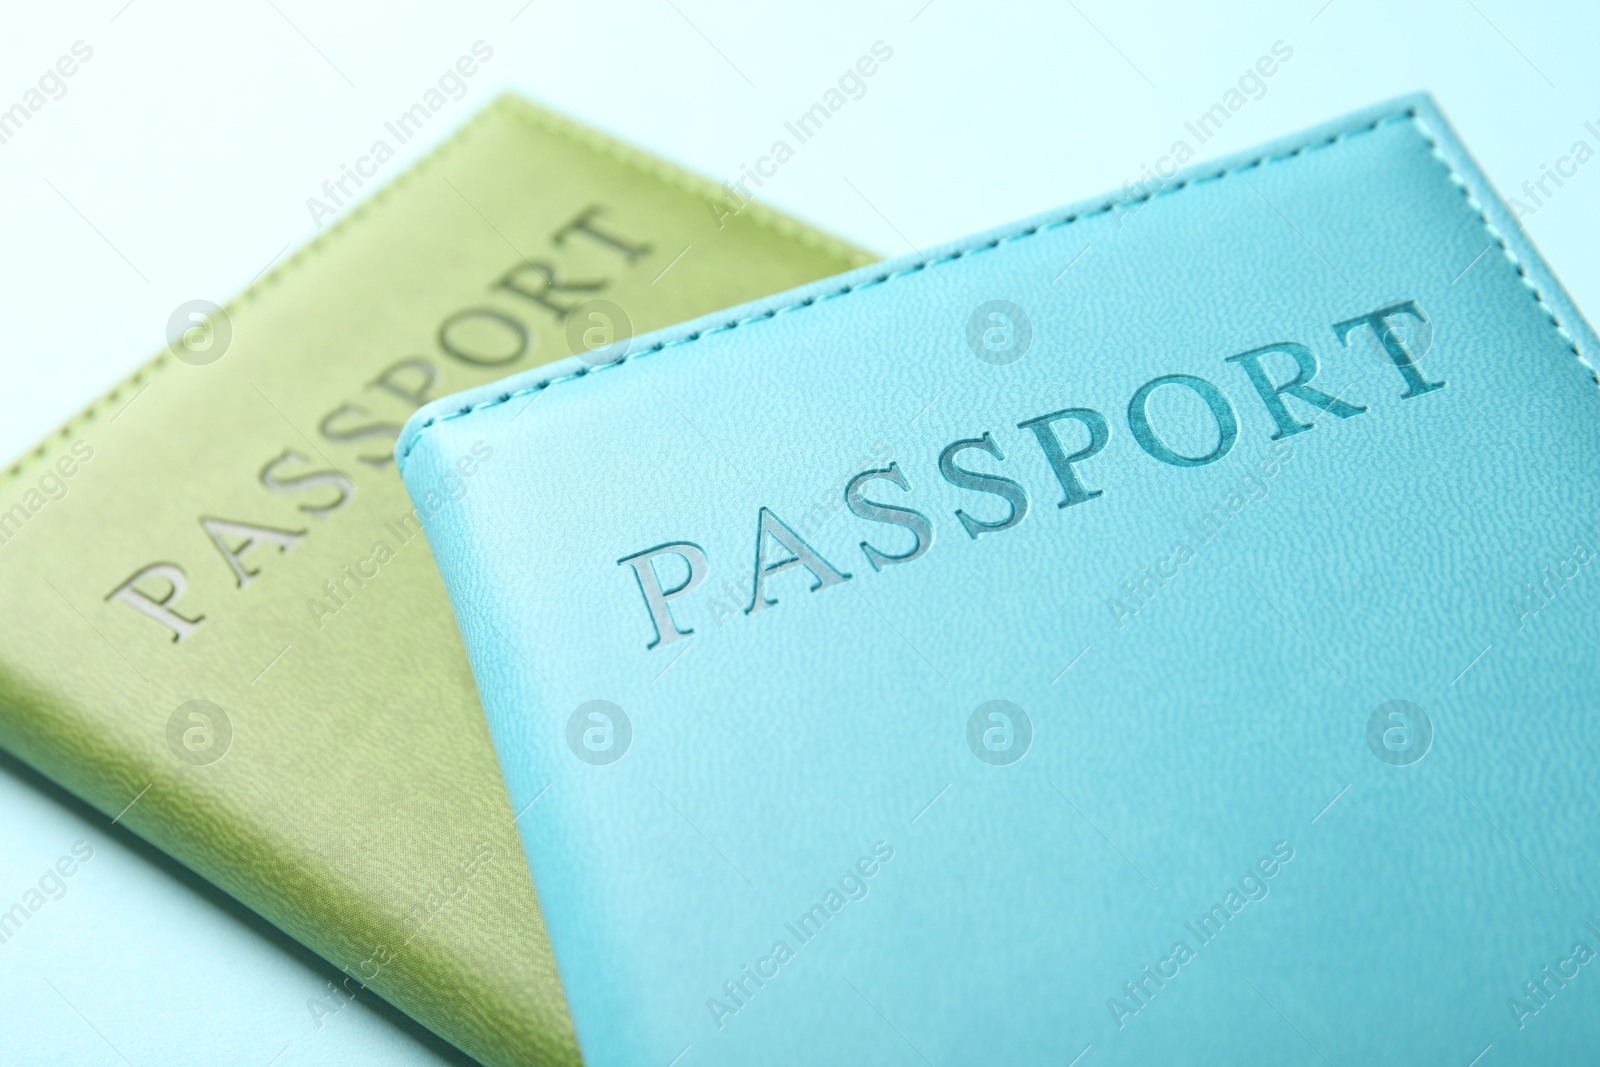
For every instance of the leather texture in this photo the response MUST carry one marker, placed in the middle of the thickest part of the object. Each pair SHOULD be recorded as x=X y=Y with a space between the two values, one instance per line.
x=1293 y=760
x=346 y=789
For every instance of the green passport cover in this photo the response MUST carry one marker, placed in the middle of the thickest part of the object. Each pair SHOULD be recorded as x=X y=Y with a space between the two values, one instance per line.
x=223 y=626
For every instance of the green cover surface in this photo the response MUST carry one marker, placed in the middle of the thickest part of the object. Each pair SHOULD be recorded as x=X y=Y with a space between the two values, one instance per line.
x=223 y=626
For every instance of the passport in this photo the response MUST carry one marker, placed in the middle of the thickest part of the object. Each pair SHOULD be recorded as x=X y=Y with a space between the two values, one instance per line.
x=224 y=628
x=1152 y=632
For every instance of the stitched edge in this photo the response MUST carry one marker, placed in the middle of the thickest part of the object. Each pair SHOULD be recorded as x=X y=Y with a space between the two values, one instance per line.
x=1408 y=115
x=1477 y=207
x=686 y=181
x=348 y=224
x=889 y=276
x=508 y=103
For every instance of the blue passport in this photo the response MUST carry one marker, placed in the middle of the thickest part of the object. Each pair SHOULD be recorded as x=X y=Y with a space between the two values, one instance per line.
x=1160 y=631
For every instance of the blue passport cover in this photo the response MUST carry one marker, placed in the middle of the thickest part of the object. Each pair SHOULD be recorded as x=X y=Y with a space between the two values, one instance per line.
x=1157 y=632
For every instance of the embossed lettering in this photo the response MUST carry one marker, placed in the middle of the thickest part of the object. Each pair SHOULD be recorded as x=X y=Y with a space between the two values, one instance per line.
x=415 y=396
x=333 y=479
x=246 y=537
x=1008 y=490
x=1299 y=387
x=1221 y=411
x=1044 y=429
x=655 y=597
x=584 y=224
x=549 y=282
x=389 y=430
x=459 y=337
x=801 y=554
x=1403 y=330
x=159 y=609
x=915 y=521
x=1385 y=329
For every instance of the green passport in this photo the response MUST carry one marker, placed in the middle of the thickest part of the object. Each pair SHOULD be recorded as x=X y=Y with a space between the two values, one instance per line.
x=223 y=624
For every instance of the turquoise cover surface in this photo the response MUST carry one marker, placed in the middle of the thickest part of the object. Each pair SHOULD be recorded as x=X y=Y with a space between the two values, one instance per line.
x=1156 y=632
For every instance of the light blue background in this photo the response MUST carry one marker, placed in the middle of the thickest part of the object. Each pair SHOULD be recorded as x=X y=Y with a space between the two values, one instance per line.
x=141 y=961
x=194 y=137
